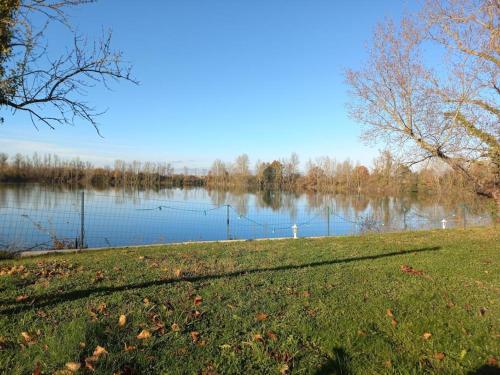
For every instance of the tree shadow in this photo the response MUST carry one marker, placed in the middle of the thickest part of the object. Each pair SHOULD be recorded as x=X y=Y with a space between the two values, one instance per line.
x=486 y=370
x=339 y=364
x=52 y=299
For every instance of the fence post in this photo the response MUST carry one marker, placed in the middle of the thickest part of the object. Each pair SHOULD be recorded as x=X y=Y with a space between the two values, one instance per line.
x=228 y=231
x=328 y=218
x=82 y=220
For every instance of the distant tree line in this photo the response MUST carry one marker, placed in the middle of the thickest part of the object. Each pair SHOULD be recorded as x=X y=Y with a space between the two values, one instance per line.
x=325 y=174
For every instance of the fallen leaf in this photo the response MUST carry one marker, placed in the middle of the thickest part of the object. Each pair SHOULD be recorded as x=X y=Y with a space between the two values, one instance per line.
x=99 y=276
x=284 y=369
x=145 y=334
x=427 y=335
x=306 y=294
x=198 y=300
x=27 y=338
x=272 y=336
x=261 y=316
x=389 y=313
x=129 y=348
x=122 y=321
x=99 y=351
x=101 y=308
x=258 y=337
x=73 y=366
x=388 y=364
x=37 y=370
x=482 y=311
x=146 y=302
x=394 y=322
x=195 y=336
x=410 y=270
x=89 y=362
x=225 y=346
x=178 y=273
x=175 y=327
x=440 y=356
x=21 y=298
x=492 y=361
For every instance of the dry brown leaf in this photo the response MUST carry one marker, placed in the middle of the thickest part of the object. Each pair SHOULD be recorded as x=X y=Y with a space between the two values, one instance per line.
x=427 y=335
x=195 y=336
x=389 y=313
x=175 y=327
x=145 y=334
x=272 y=336
x=129 y=348
x=89 y=362
x=21 y=298
x=492 y=361
x=261 y=316
x=440 y=356
x=73 y=366
x=258 y=337
x=198 y=300
x=99 y=276
x=306 y=294
x=38 y=369
x=122 y=321
x=27 y=338
x=146 y=302
x=410 y=270
x=284 y=369
x=178 y=272
x=99 y=351
x=101 y=308
x=394 y=322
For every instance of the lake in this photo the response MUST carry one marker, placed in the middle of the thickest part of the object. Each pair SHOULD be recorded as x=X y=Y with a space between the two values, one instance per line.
x=38 y=217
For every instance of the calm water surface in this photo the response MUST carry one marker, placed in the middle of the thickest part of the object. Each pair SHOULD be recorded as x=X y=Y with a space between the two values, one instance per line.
x=34 y=216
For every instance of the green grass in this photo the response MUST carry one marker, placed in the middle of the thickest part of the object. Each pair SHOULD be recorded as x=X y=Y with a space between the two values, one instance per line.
x=307 y=306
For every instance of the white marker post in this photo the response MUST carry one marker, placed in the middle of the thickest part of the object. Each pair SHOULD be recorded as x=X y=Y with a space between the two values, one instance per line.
x=443 y=222
x=295 y=230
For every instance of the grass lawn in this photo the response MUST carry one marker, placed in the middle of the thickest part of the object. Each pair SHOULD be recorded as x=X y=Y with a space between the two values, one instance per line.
x=414 y=302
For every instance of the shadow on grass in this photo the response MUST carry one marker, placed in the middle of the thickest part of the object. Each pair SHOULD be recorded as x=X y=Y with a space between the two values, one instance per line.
x=339 y=364
x=54 y=299
x=486 y=370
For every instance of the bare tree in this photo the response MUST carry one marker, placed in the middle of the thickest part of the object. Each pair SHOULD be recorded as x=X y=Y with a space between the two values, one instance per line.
x=241 y=169
x=51 y=90
x=444 y=106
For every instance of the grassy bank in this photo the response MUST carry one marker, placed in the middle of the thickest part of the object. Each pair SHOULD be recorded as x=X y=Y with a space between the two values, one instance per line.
x=396 y=303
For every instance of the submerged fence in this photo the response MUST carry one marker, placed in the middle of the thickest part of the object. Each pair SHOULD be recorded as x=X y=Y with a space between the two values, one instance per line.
x=81 y=220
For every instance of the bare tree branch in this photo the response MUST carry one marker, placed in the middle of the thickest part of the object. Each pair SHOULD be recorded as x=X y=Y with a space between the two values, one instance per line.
x=52 y=90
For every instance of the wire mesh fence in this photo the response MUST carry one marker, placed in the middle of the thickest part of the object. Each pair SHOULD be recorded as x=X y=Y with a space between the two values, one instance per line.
x=80 y=220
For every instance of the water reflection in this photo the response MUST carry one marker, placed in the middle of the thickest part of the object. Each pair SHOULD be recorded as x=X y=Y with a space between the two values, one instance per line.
x=32 y=214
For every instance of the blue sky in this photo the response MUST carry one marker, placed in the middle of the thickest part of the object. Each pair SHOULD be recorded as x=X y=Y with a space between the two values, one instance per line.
x=219 y=78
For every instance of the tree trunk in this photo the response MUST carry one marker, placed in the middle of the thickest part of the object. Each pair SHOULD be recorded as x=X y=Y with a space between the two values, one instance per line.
x=496 y=196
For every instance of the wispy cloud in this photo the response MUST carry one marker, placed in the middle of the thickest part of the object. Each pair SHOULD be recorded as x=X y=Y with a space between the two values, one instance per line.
x=13 y=146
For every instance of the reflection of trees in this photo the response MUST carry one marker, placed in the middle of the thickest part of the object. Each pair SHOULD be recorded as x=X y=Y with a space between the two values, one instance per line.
x=402 y=211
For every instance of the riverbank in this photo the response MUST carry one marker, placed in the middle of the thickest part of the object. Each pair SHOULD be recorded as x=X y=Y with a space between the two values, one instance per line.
x=402 y=302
